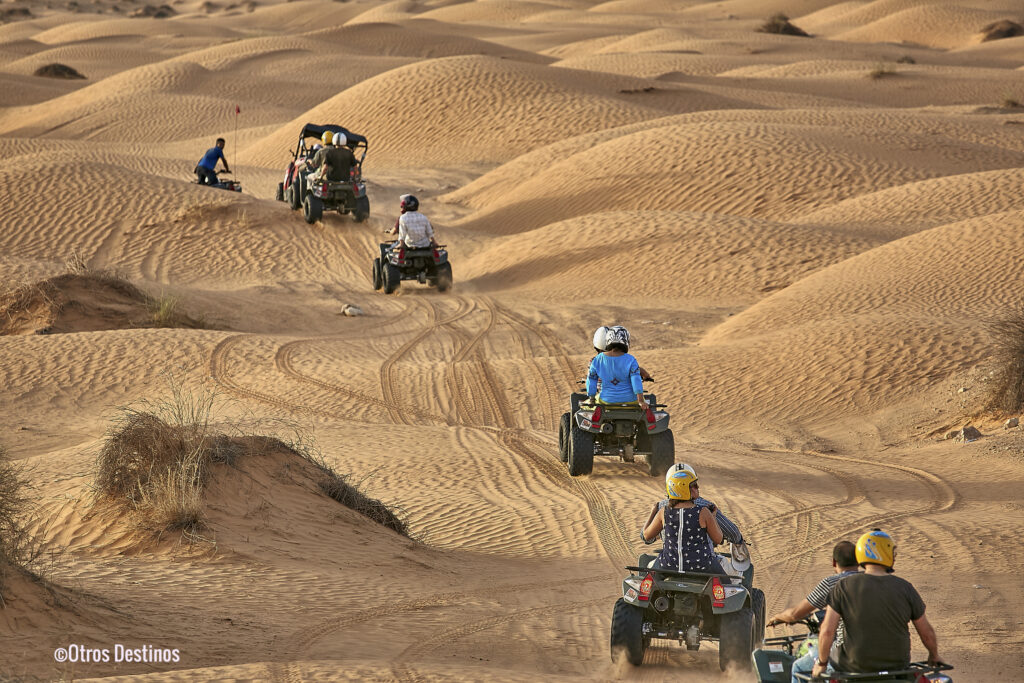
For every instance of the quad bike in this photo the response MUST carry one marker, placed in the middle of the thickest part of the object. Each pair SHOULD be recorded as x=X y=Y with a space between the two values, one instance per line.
x=775 y=665
x=688 y=607
x=618 y=430
x=313 y=195
x=230 y=185
x=428 y=266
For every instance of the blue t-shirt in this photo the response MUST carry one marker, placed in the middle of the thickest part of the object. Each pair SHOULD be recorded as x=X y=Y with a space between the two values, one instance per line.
x=619 y=375
x=209 y=159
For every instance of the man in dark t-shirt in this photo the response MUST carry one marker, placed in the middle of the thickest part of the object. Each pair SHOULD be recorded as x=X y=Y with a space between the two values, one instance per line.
x=336 y=159
x=875 y=608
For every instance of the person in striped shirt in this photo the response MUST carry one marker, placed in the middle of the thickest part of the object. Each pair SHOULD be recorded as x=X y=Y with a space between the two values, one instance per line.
x=844 y=564
x=412 y=227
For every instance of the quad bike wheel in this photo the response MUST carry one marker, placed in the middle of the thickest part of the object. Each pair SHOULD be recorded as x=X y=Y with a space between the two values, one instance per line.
x=563 y=437
x=312 y=209
x=581 y=450
x=663 y=453
x=628 y=632
x=392 y=277
x=736 y=639
x=378 y=276
x=362 y=210
x=279 y=196
x=444 y=277
x=296 y=195
x=757 y=603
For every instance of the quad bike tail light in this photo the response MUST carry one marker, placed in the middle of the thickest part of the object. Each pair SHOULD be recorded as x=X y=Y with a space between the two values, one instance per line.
x=717 y=593
x=437 y=256
x=596 y=417
x=650 y=419
x=646 y=586
x=401 y=256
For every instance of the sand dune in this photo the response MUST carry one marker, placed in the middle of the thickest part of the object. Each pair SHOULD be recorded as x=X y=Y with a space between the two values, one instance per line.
x=491 y=107
x=703 y=257
x=807 y=238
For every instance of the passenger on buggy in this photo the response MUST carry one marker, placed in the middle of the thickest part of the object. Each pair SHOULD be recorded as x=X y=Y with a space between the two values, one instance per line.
x=333 y=159
x=688 y=527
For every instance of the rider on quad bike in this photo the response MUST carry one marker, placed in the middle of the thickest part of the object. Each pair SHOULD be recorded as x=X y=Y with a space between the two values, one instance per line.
x=206 y=168
x=601 y=337
x=618 y=372
x=687 y=527
x=412 y=227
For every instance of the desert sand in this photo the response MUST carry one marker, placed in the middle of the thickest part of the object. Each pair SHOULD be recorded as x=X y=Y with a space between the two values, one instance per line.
x=806 y=236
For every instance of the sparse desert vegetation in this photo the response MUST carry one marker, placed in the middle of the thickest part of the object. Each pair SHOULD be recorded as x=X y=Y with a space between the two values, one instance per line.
x=780 y=24
x=1005 y=392
x=159 y=456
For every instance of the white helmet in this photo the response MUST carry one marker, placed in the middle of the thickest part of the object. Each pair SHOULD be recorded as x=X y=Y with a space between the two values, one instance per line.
x=601 y=338
x=679 y=467
x=617 y=335
x=340 y=140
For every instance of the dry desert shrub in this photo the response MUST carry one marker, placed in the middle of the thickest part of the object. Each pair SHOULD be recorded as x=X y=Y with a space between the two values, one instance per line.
x=881 y=70
x=1006 y=390
x=906 y=59
x=1009 y=102
x=780 y=24
x=18 y=548
x=998 y=30
x=56 y=70
x=158 y=457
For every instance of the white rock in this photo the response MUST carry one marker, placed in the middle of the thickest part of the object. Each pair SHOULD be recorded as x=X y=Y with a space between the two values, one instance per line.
x=351 y=310
x=962 y=390
x=1011 y=423
x=967 y=435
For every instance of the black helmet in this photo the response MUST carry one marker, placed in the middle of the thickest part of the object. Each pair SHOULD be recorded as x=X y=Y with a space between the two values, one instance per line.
x=409 y=203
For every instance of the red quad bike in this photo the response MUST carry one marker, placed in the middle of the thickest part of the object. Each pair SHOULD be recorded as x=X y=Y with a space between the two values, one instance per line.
x=302 y=191
x=222 y=184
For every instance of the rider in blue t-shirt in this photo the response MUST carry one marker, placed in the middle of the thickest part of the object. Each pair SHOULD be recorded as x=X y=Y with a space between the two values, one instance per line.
x=208 y=164
x=618 y=372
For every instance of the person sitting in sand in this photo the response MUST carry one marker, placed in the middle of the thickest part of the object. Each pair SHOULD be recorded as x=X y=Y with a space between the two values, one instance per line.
x=206 y=168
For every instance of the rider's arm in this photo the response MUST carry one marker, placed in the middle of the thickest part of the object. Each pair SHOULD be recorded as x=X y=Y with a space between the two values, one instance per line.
x=644 y=375
x=636 y=382
x=730 y=531
x=928 y=638
x=592 y=377
x=224 y=160
x=709 y=522
x=792 y=614
x=653 y=527
x=827 y=634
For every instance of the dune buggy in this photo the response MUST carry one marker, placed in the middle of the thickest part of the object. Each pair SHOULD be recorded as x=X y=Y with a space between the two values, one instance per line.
x=618 y=430
x=301 y=190
x=688 y=607
x=427 y=266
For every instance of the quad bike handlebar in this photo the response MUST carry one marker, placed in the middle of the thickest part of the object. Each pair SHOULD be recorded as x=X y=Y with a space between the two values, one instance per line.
x=915 y=669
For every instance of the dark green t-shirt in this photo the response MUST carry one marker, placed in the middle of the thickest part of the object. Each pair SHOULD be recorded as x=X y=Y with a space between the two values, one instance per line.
x=875 y=611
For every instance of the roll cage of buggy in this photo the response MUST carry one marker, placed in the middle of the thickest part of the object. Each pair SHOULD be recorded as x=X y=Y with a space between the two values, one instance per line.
x=353 y=141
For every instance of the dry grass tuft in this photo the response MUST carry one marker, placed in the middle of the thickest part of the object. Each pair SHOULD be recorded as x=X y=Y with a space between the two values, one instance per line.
x=1010 y=102
x=906 y=59
x=780 y=24
x=998 y=30
x=18 y=548
x=881 y=70
x=158 y=457
x=1005 y=395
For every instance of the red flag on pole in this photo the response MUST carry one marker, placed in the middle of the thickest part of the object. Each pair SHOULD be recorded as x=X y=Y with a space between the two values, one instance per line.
x=237 y=110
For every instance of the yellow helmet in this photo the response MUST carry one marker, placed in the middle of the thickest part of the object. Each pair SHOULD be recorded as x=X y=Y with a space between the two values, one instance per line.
x=327 y=137
x=678 y=480
x=876 y=547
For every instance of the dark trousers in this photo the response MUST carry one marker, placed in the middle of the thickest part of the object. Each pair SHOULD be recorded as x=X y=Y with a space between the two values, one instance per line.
x=206 y=176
